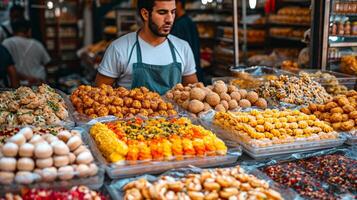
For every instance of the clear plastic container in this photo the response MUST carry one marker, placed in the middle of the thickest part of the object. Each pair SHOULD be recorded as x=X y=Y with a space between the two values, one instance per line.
x=127 y=169
x=351 y=137
x=344 y=79
x=320 y=168
x=258 y=71
x=115 y=188
x=94 y=182
x=69 y=122
x=275 y=149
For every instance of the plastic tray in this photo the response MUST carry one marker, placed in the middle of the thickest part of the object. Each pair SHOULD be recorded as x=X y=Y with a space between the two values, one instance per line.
x=69 y=122
x=93 y=182
x=351 y=138
x=142 y=167
x=115 y=188
x=347 y=152
x=344 y=79
x=274 y=150
x=259 y=71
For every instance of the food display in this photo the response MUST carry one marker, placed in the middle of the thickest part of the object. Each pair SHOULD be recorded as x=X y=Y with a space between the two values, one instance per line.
x=104 y=100
x=27 y=158
x=228 y=183
x=272 y=127
x=345 y=7
x=341 y=112
x=336 y=170
x=253 y=36
x=292 y=15
x=329 y=81
x=287 y=32
x=197 y=99
x=246 y=81
x=292 y=176
x=324 y=168
x=294 y=90
x=349 y=64
x=7 y=132
x=154 y=139
x=290 y=66
x=77 y=192
x=25 y=106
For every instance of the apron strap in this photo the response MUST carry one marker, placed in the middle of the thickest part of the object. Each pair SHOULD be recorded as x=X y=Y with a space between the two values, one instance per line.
x=172 y=49
x=131 y=53
x=138 y=50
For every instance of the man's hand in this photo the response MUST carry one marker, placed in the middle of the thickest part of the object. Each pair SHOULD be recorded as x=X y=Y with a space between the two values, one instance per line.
x=101 y=79
x=190 y=79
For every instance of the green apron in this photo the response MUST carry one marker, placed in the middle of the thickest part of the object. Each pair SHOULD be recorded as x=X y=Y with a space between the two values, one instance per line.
x=158 y=78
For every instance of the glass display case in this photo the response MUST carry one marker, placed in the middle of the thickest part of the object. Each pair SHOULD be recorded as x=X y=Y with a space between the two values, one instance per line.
x=339 y=45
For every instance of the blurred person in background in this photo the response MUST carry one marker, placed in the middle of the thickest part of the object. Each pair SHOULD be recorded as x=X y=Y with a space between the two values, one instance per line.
x=16 y=13
x=8 y=75
x=29 y=55
x=185 y=29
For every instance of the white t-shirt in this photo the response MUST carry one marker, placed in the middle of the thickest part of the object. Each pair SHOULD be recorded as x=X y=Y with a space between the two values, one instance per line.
x=116 y=57
x=29 y=56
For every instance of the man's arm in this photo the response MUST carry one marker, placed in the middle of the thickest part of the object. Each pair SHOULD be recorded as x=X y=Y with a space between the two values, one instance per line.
x=14 y=79
x=101 y=79
x=189 y=79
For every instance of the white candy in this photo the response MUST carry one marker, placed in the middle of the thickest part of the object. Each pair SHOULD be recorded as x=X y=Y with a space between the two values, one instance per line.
x=7 y=177
x=43 y=150
x=27 y=132
x=26 y=150
x=10 y=149
x=25 y=164
x=18 y=139
x=84 y=158
x=65 y=173
x=7 y=164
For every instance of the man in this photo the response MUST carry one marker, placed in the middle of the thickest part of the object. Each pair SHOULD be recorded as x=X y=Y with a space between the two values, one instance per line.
x=184 y=28
x=29 y=55
x=7 y=69
x=16 y=13
x=150 y=57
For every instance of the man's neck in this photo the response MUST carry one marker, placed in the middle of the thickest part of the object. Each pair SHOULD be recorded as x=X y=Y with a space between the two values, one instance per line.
x=149 y=37
x=24 y=35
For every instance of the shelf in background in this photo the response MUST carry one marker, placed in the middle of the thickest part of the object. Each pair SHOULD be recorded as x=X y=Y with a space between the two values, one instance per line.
x=286 y=38
x=288 y=24
x=345 y=14
x=225 y=39
x=343 y=44
x=344 y=36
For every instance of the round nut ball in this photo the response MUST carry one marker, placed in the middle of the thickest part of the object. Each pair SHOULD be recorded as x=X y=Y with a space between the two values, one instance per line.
x=224 y=103
x=252 y=97
x=220 y=87
x=242 y=93
x=195 y=106
x=220 y=108
x=10 y=149
x=225 y=96
x=213 y=99
x=232 y=88
x=198 y=94
x=244 y=103
x=232 y=104
x=236 y=96
x=261 y=103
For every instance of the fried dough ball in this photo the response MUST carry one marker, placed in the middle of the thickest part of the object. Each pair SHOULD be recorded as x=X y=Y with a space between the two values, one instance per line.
x=305 y=110
x=348 y=108
x=342 y=101
x=348 y=125
x=335 y=117
x=313 y=107
x=337 y=110
x=330 y=105
x=353 y=115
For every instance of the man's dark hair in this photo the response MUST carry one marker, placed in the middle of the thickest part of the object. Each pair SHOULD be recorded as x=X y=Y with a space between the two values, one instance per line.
x=17 y=12
x=17 y=8
x=183 y=2
x=21 y=26
x=146 y=4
